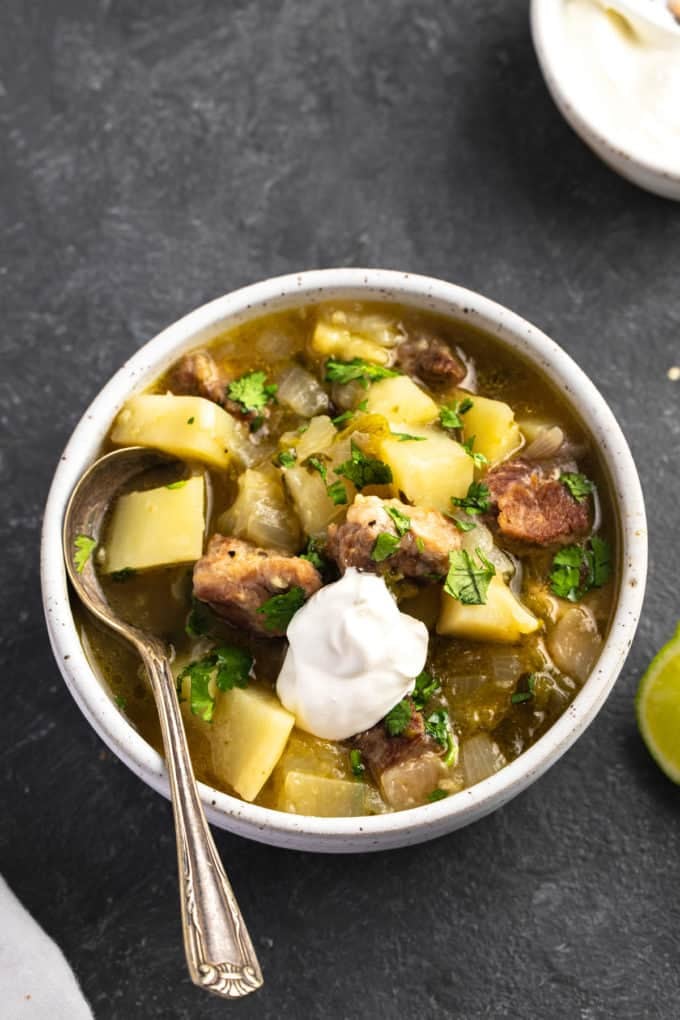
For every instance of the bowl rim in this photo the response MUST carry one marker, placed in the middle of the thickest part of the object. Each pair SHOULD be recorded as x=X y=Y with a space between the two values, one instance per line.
x=546 y=33
x=250 y=302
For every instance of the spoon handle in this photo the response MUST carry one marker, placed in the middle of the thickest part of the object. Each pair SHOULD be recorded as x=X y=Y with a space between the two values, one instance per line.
x=219 y=953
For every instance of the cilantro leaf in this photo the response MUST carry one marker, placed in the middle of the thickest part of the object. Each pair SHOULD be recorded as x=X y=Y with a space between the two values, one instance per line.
x=314 y=556
x=190 y=421
x=406 y=437
x=121 y=702
x=84 y=547
x=385 y=545
x=577 y=569
x=355 y=762
x=565 y=577
x=450 y=414
x=342 y=419
x=229 y=666
x=436 y=795
x=426 y=687
x=398 y=718
x=363 y=470
x=286 y=458
x=198 y=620
x=438 y=726
x=519 y=697
x=402 y=522
x=467 y=581
x=338 y=493
x=251 y=391
x=478 y=459
x=464 y=525
x=124 y=574
x=279 y=610
x=316 y=464
x=578 y=485
x=177 y=485
x=364 y=371
x=477 y=500
x=420 y=545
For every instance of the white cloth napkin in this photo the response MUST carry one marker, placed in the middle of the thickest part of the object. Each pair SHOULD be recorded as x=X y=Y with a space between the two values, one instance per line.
x=36 y=982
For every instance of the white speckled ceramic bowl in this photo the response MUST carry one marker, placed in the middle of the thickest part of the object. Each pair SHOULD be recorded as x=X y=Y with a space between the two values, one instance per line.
x=559 y=72
x=382 y=831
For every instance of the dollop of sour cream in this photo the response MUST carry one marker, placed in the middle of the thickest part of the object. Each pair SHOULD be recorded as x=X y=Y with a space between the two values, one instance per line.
x=352 y=656
x=626 y=75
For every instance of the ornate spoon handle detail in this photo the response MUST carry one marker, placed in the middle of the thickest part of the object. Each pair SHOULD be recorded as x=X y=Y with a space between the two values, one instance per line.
x=220 y=955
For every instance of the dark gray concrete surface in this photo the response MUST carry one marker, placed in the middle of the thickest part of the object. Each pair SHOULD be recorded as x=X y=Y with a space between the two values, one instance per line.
x=154 y=155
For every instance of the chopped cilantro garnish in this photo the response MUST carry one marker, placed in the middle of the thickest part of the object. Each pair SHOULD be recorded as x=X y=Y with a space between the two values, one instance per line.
x=450 y=415
x=364 y=371
x=286 y=458
x=316 y=464
x=121 y=702
x=420 y=545
x=437 y=794
x=177 y=485
x=314 y=556
x=385 y=545
x=363 y=470
x=466 y=580
x=355 y=763
x=124 y=574
x=578 y=569
x=279 y=610
x=477 y=500
x=521 y=696
x=84 y=547
x=228 y=665
x=198 y=620
x=342 y=419
x=478 y=459
x=426 y=686
x=252 y=391
x=578 y=485
x=398 y=718
x=402 y=522
x=337 y=493
x=438 y=726
x=464 y=525
x=406 y=437
x=190 y=421
x=363 y=406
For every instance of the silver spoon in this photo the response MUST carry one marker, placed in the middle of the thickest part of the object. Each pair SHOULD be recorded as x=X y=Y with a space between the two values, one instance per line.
x=219 y=953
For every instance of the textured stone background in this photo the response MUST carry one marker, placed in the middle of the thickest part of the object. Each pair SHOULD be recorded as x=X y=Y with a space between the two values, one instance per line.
x=154 y=155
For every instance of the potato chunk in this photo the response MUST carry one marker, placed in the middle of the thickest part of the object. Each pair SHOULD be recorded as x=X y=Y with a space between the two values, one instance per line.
x=493 y=425
x=249 y=732
x=428 y=473
x=305 y=794
x=312 y=503
x=191 y=428
x=157 y=527
x=399 y=399
x=348 y=335
x=502 y=618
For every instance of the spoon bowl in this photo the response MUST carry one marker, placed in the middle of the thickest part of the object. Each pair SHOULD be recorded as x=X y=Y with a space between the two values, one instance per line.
x=220 y=954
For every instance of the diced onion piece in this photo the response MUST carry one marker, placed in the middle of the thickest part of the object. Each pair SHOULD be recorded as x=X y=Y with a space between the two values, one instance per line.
x=191 y=428
x=302 y=392
x=317 y=438
x=480 y=537
x=156 y=527
x=480 y=758
x=347 y=335
x=507 y=665
x=313 y=505
x=546 y=444
x=574 y=643
x=260 y=513
x=409 y=783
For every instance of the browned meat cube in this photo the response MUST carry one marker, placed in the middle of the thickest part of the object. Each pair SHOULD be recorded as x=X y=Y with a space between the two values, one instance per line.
x=235 y=578
x=198 y=375
x=430 y=358
x=408 y=767
x=534 y=506
x=422 y=551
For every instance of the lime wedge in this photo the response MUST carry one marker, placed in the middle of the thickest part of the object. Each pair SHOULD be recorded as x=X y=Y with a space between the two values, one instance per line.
x=657 y=705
